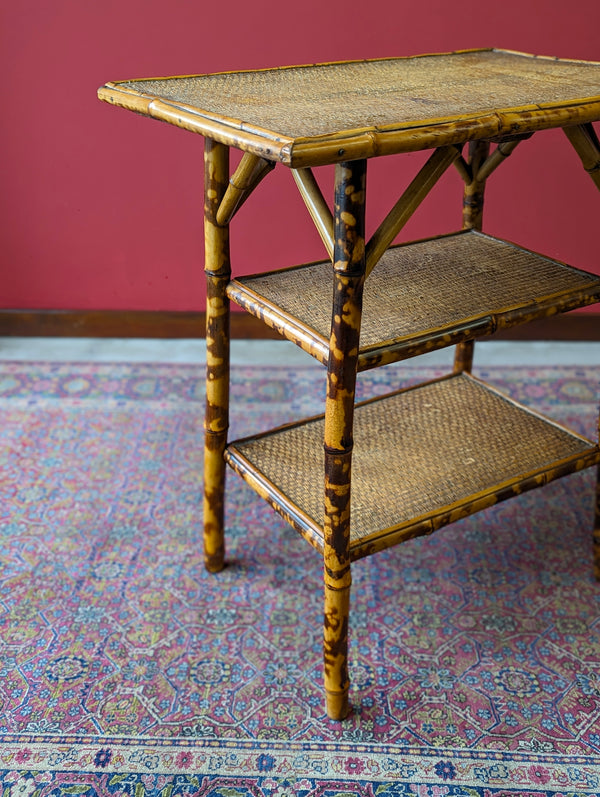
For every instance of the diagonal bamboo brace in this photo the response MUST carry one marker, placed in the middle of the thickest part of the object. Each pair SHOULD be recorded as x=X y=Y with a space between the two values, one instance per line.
x=410 y=200
x=317 y=206
x=585 y=142
x=251 y=170
x=491 y=163
x=464 y=169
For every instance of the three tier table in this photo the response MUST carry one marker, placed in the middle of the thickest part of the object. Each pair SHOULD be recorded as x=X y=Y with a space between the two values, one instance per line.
x=363 y=477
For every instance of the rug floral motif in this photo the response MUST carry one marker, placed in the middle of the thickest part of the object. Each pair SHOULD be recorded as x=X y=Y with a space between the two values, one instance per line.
x=125 y=668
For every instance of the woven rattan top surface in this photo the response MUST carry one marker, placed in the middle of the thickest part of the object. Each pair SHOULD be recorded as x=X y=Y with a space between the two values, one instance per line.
x=306 y=115
x=416 y=453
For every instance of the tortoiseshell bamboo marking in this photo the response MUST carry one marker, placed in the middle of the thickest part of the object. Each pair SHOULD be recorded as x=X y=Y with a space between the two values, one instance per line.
x=410 y=200
x=586 y=144
x=472 y=220
x=349 y=275
x=474 y=190
x=216 y=422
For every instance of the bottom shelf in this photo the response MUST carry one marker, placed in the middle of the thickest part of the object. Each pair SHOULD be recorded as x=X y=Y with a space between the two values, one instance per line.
x=423 y=457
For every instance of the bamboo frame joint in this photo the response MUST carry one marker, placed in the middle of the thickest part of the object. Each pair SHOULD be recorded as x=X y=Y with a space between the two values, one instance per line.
x=251 y=171
x=498 y=156
x=333 y=578
x=464 y=169
x=339 y=453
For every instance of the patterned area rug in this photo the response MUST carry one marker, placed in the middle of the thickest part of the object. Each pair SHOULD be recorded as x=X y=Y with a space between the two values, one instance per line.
x=126 y=669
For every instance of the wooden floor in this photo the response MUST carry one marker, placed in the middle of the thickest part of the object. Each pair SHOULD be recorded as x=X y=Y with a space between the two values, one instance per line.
x=576 y=326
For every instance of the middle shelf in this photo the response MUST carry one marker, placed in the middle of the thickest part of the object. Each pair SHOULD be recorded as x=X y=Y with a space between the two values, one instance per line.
x=421 y=296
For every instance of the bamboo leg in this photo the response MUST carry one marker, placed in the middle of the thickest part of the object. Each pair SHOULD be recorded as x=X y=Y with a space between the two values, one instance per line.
x=585 y=142
x=472 y=220
x=596 y=533
x=349 y=276
x=218 y=272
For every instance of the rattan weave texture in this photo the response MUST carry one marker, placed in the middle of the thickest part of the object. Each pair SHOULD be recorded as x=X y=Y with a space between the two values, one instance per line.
x=415 y=453
x=427 y=285
x=299 y=102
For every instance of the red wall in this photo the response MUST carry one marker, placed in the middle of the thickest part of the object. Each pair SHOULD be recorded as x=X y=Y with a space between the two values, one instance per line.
x=102 y=209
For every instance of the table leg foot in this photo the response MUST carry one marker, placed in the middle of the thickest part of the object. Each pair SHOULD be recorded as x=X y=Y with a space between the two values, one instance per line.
x=338 y=705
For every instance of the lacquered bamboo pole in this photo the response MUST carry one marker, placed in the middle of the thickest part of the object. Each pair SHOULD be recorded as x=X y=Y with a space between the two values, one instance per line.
x=410 y=200
x=472 y=220
x=585 y=142
x=317 y=206
x=247 y=176
x=474 y=192
x=349 y=276
x=216 y=422
x=596 y=532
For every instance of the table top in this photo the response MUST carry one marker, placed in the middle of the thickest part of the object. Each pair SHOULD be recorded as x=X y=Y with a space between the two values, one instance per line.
x=325 y=113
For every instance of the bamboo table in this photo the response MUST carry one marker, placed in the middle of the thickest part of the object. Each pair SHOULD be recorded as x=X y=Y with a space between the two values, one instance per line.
x=425 y=456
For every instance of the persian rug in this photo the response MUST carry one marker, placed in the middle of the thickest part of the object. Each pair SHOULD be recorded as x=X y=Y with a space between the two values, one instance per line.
x=126 y=669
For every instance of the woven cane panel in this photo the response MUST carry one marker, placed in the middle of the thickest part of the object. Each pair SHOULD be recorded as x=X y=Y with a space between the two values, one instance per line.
x=415 y=453
x=426 y=286
x=302 y=102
